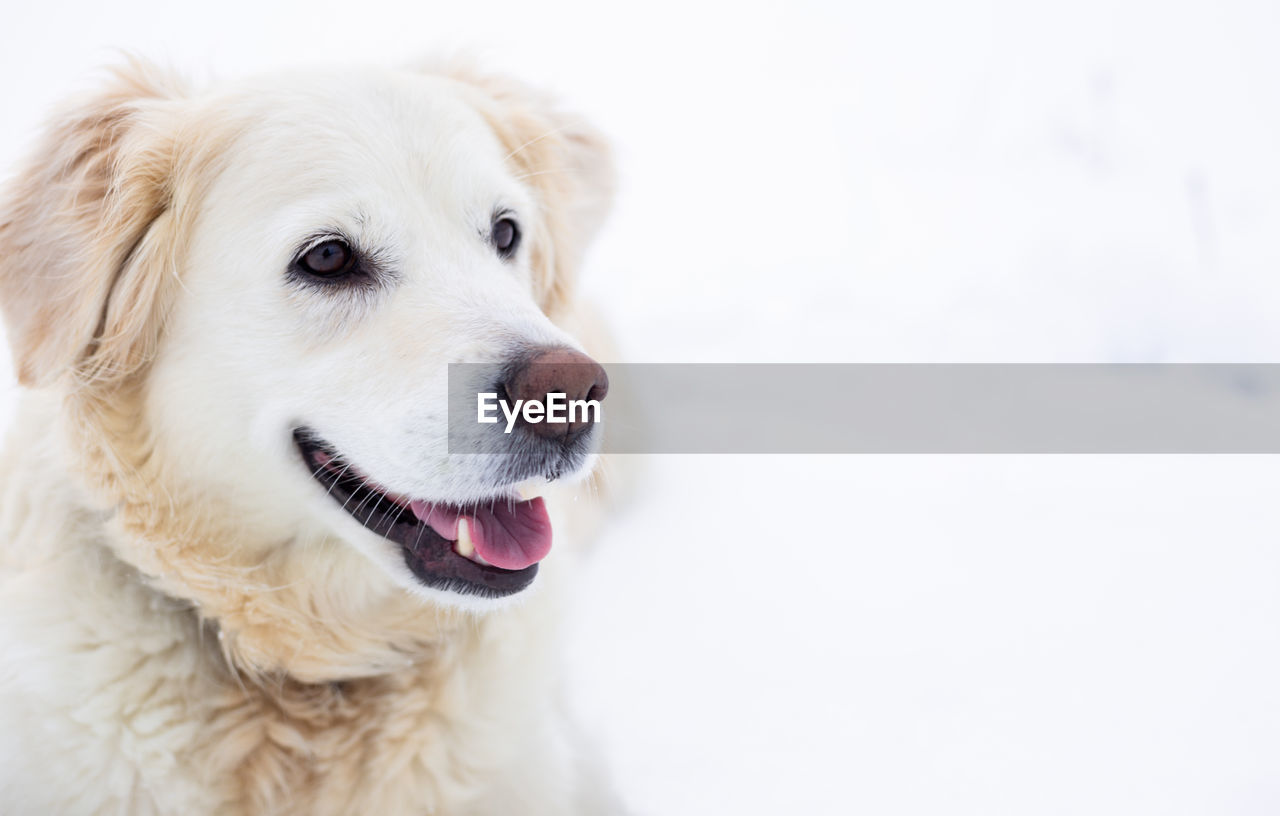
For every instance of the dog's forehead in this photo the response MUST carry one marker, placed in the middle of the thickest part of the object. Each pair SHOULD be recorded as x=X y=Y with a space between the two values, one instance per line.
x=362 y=128
x=395 y=160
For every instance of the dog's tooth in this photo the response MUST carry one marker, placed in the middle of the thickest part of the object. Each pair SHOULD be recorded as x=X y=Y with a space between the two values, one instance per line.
x=463 y=545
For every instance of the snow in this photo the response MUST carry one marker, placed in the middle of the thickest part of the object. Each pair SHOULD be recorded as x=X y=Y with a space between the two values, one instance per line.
x=874 y=182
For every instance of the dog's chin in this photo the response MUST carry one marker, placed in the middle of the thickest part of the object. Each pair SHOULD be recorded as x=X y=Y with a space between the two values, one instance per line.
x=471 y=556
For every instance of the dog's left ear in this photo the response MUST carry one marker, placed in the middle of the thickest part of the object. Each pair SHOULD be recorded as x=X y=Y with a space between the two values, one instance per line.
x=562 y=158
x=83 y=234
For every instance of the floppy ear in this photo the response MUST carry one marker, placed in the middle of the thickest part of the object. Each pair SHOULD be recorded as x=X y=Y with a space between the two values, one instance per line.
x=81 y=238
x=562 y=158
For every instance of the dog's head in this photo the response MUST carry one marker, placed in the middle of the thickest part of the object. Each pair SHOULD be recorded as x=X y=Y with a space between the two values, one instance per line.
x=250 y=298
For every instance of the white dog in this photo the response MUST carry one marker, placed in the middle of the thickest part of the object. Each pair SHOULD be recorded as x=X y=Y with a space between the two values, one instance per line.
x=240 y=569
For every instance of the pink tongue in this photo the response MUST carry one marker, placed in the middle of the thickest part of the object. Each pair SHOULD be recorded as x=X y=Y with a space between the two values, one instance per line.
x=509 y=535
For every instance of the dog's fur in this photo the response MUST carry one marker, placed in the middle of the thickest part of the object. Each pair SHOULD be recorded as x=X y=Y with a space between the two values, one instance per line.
x=187 y=624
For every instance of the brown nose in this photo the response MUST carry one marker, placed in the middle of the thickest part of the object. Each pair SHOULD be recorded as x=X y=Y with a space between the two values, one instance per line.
x=559 y=371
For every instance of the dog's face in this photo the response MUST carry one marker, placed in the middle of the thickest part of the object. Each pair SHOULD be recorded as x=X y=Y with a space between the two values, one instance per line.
x=358 y=239
x=316 y=251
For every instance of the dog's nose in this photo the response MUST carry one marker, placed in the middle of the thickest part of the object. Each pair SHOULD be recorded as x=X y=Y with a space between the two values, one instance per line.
x=559 y=371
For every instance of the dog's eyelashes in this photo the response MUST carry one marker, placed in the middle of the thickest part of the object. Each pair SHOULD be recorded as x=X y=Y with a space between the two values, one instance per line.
x=334 y=266
x=330 y=259
x=505 y=236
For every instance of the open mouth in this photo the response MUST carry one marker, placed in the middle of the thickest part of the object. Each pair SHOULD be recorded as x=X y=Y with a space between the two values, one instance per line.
x=491 y=549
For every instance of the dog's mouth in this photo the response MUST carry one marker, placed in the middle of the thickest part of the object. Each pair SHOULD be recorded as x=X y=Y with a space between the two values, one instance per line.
x=490 y=549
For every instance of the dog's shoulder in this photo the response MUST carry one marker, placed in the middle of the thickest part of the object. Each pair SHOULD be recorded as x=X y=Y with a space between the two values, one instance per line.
x=98 y=666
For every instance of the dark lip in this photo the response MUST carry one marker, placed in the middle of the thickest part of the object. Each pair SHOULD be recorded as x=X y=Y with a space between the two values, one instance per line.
x=428 y=555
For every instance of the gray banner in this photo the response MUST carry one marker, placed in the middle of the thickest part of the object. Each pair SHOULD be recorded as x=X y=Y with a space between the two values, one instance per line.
x=892 y=408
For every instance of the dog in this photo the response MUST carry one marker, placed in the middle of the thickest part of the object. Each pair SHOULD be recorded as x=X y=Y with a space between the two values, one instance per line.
x=242 y=568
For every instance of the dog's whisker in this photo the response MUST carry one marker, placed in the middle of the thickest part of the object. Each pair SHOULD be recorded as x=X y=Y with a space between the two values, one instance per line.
x=546 y=172
x=533 y=141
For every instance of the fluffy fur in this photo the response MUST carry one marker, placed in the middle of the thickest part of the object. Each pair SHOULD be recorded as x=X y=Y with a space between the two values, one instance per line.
x=188 y=625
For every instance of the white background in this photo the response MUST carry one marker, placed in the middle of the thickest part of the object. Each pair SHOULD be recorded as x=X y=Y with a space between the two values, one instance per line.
x=886 y=181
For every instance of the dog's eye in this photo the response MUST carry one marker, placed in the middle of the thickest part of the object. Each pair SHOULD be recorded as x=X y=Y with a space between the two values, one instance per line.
x=327 y=260
x=505 y=236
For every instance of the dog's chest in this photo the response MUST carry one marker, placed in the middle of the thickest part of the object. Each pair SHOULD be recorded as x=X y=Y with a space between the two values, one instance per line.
x=385 y=745
x=142 y=719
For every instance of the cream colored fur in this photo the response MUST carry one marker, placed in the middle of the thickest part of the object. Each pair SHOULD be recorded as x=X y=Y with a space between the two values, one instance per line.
x=186 y=625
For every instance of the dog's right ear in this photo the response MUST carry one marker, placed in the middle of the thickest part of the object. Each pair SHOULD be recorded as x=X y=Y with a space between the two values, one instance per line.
x=81 y=252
